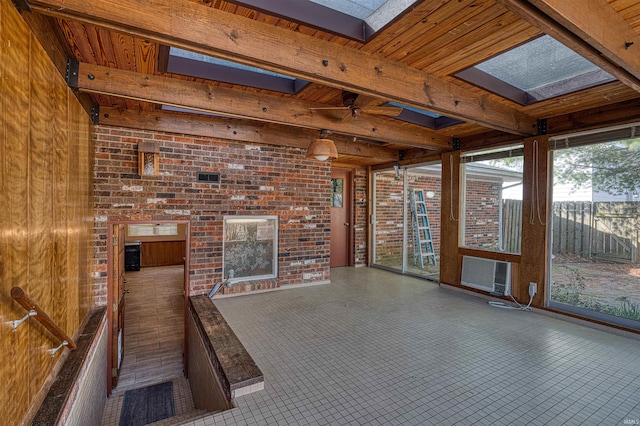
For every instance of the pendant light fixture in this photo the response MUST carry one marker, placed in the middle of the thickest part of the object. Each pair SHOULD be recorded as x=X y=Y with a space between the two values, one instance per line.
x=322 y=149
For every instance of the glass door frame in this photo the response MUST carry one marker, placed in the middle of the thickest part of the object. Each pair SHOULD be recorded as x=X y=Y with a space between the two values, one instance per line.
x=403 y=171
x=565 y=307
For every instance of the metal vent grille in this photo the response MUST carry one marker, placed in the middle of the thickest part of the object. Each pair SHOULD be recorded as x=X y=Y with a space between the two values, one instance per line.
x=209 y=177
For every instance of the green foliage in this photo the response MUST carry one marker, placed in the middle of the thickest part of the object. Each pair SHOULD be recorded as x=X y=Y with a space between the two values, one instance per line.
x=509 y=163
x=573 y=293
x=627 y=309
x=609 y=167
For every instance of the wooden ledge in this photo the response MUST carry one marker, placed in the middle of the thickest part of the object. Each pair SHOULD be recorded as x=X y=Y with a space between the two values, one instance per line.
x=63 y=387
x=235 y=367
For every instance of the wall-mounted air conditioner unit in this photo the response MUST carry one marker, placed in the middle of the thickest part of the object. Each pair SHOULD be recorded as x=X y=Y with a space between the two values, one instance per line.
x=489 y=275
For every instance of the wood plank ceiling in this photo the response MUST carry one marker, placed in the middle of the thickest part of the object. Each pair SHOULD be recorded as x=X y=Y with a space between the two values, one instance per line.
x=430 y=43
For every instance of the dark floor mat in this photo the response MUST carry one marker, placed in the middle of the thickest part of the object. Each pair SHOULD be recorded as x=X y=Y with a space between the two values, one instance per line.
x=147 y=405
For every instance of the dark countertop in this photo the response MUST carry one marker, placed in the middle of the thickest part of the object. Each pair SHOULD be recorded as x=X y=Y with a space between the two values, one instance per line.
x=228 y=354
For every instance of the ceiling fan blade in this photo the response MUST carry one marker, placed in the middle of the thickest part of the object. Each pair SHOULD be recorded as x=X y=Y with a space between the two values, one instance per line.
x=382 y=110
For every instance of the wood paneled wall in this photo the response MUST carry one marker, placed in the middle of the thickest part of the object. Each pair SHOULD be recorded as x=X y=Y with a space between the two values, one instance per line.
x=162 y=253
x=46 y=220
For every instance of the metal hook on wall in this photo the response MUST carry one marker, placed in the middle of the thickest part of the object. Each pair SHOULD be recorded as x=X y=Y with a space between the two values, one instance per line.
x=16 y=323
x=54 y=350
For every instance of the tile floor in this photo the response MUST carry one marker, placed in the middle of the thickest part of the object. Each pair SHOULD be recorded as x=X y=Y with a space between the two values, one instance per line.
x=378 y=348
x=154 y=327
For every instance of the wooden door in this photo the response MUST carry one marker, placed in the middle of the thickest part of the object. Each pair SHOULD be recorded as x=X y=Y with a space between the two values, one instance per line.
x=340 y=218
x=118 y=289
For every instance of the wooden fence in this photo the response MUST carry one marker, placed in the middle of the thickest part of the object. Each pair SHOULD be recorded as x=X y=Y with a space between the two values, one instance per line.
x=606 y=231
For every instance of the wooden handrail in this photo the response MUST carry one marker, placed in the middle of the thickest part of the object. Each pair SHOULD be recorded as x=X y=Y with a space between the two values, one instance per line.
x=25 y=301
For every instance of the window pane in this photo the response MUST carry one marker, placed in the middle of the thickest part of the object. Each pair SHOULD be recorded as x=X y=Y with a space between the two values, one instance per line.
x=595 y=238
x=357 y=8
x=389 y=220
x=540 y=62
x=150 y=229
x=250 y=247
x=540 y=69
x=336 y=198
x=423 y=220
x=493 y=202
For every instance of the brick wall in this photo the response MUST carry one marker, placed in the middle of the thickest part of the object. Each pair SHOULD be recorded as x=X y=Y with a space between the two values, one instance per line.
x=389 y=198
x=481 y=214
x=255 y=180
x=360 y=218
x=389 y=223
x=482 y=217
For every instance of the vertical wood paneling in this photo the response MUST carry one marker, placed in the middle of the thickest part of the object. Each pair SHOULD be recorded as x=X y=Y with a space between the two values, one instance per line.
x=46 y=222
x=162 y=253
x=85 y=206
x=535 y=237
x=73 y=257
x=61 y=294
x=450 y=263
x=16 y=42
x=40 y=285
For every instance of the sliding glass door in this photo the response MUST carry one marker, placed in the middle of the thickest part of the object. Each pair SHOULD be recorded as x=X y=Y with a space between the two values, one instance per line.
x=388 y=224
x=595 y=256
x=422 y=230
x=406 y=235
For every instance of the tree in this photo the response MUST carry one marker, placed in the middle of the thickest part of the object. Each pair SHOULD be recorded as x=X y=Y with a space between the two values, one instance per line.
x=612 y=167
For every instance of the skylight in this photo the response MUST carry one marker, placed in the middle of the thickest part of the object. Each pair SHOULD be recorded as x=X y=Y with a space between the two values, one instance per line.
x=422 y=117
x=355 y=19
x=535 y=71
x=209 y=68
x=175 y=51
x=361 y=9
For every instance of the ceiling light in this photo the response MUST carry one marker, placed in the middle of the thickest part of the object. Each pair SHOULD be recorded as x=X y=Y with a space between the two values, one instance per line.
x=322 y=148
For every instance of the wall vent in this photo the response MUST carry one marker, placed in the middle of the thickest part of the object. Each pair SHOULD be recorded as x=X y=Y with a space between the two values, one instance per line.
x=489 y=275
x=209 y=177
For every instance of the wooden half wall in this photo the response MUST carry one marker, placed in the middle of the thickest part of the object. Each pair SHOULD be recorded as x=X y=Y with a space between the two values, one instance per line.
x=46 y=217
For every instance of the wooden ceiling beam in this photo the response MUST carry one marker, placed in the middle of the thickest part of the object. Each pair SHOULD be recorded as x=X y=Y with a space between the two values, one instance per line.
x=595 y=118
x=206 y=30
x=243 y=104
x=237 y=130
x=587 y=39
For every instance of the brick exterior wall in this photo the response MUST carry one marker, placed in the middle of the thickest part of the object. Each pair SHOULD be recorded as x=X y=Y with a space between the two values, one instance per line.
x=389 y=227
x=360 y=217
x=481 y=215
x=255 y=180
x=482 y=221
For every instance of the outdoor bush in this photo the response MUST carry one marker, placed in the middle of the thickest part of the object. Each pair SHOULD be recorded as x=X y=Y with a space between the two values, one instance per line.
x=573 y=293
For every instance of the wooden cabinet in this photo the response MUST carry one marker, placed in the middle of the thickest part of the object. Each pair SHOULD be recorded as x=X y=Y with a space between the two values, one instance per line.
x=162 y=253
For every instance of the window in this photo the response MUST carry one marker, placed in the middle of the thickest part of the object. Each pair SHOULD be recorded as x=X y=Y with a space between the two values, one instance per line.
x=422 y=117
x=356 y=19
x=594 y=234
x=180 y=61
x=336 y=193
x=492 y=185
x=535 y=71
x=250 y=247
x=151 y=229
